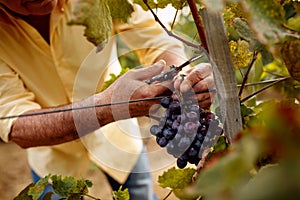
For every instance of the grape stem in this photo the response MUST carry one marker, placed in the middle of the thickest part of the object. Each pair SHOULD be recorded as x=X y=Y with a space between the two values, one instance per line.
x=170 y=33
x=201 y=163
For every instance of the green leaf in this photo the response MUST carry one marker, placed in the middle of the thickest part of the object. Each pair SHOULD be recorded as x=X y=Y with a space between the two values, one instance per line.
x=121 y=194
x=294 y=24
x=23 y=195
x=266 y=19
x=120 y=9
x=153 y=4
x=221 y=145
x=113 y=78
x=176 y=178
x=96 y=17
x=37 y=190
x=274 y=182
x=69 y=187
x=243 y=29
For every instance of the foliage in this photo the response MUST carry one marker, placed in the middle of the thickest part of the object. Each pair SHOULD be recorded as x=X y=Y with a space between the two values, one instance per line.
x=95 y=16
x=121 y=194
x=264 y=42
x=264 y=153
x=66 y=187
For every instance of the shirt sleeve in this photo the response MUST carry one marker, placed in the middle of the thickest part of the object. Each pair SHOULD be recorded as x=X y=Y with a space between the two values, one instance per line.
x=146 y=37
x=15 y=99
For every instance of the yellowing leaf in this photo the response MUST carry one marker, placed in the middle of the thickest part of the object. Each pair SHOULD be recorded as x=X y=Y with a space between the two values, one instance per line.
x=120 y=9
x=266 y=19
x=176 y=178
x=121 y=194
x=96 y=17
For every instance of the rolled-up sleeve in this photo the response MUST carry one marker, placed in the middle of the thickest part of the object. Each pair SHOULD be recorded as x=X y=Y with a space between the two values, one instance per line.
x=15 y=99
x=146 y=37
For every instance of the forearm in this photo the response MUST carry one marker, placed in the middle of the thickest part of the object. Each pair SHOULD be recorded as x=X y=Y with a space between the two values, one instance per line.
x=60 y=127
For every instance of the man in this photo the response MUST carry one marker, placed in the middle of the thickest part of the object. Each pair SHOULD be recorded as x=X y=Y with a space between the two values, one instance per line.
x=46 y=65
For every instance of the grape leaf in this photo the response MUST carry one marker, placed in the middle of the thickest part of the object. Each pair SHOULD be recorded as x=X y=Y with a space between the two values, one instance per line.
x=293 y=23
x=291 y=57
x=37 y=190
x=153 y=4
x=281 y=187
x=120 y=9
x=176 y=178
x=96 y=17
x=266 y=19
x=69 y=187
x=121 y=194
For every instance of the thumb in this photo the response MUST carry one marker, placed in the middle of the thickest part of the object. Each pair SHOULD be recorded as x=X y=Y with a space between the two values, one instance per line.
x=149 y=72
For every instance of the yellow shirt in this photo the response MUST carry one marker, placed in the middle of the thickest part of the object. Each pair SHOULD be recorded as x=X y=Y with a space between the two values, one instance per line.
x=34 y=74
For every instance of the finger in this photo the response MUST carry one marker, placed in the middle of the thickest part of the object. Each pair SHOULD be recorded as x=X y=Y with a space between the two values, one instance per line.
x=199 y=73
x=205 y=84
x=205 y=104
x=149 y=72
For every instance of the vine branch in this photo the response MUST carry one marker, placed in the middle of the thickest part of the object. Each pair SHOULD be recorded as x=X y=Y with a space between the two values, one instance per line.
x=254 y=57
x=170 y=33
x=198 y=23
x=264 y=88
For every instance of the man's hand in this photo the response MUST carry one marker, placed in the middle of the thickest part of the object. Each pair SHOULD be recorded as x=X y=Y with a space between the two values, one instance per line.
x=132 y=86
x=197 y=79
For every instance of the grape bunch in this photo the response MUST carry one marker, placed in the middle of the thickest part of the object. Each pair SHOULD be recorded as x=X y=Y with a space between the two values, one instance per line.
x=185 y=130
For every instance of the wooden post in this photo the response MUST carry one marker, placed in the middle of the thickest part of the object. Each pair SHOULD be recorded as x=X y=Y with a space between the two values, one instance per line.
x=223 y=68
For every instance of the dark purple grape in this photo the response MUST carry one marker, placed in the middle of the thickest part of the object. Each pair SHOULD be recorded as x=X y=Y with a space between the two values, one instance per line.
x=183 y=129
x=192 y=152
x=162 y=141
x=181 y=118
x=198 y=143
x=170 y=147
x=174 y=117
x=168 y=134
x=168 y=113
x=194 y=108
x=175 y=107
x=184 y=143
x=192 y=116
x=169 y=123
x=162 y=122
x=181 y=163
x=191 y=127
x=178 y=136
x=175 y=125
x=165 y=102
x=155 y=130
x=200 y=137
x=194 y=160
x=210 y=115
x=202 y=130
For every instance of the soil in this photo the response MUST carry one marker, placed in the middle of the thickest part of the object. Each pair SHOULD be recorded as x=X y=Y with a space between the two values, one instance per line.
x=15 y=175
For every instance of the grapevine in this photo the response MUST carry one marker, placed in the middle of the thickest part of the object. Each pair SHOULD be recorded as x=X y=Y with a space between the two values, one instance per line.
x=186 y=130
